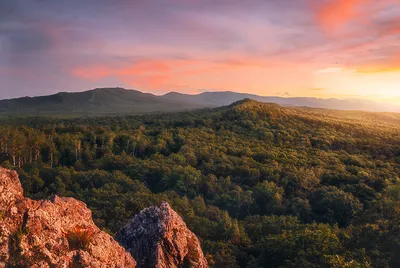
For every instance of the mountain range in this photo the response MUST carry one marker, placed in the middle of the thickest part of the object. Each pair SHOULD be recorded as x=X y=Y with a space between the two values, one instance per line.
x=110 y=101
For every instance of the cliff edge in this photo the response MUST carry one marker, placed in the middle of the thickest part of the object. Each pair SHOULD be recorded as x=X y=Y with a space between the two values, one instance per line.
x=58 y=232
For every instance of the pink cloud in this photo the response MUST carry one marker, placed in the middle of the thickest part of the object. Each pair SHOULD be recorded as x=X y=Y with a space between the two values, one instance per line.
x=93 y=73
x=336 y=13
x=155 y=74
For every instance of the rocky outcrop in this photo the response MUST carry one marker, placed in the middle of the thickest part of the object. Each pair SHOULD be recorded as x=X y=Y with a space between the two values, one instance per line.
x=52 y=233
x=158 y=237
x=60 y=232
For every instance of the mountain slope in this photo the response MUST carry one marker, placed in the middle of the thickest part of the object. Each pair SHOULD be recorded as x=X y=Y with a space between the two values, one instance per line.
x=97 y=101
x=216 y=99
x=253 y=181
x=123 y=101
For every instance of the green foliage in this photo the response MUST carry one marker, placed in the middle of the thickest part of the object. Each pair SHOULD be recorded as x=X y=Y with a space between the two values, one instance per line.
x=332 y=205
x=15 y=241
x=269 y=197
x=260 y=185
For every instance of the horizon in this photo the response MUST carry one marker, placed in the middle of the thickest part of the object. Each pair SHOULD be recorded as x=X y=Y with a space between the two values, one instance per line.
x=205 y=91
x=196 y=93
x=268 y=130
x=343 y=49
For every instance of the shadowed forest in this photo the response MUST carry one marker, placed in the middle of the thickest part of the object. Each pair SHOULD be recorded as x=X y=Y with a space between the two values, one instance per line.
x=261 y=185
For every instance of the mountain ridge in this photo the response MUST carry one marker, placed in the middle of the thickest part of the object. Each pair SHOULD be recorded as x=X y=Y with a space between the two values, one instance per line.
x=128 y=101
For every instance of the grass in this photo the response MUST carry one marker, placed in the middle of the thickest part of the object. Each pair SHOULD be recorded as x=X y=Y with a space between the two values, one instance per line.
x=15 y=242
x=80 y=238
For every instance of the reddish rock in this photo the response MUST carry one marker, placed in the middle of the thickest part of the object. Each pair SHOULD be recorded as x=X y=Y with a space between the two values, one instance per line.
x=38 y=233
x=158 y=237
x=49 y=233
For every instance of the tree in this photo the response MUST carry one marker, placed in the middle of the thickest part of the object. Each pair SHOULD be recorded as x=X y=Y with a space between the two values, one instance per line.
x=332 y=205
x=269 y=197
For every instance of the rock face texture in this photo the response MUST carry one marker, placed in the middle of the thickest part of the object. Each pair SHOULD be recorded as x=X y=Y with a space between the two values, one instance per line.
x=158 y=237
x=52 y=233
x=60 y=232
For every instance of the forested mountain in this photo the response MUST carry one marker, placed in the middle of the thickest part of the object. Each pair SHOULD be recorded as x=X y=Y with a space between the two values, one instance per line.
x=92 y=102
x=217 y=99
x=261 y=185
x=111 y=101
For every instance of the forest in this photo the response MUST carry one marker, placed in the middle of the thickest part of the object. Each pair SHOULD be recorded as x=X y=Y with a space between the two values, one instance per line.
x=261 y=185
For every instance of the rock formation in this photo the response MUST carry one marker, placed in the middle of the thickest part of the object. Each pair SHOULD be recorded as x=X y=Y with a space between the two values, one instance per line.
x=52 y=233
x=60 y=232
x=158 y=237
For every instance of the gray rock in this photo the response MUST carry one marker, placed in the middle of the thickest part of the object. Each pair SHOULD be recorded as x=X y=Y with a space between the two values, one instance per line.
x=158 y=237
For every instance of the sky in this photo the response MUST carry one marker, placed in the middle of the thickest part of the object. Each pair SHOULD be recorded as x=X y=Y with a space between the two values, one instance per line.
x=289 y=48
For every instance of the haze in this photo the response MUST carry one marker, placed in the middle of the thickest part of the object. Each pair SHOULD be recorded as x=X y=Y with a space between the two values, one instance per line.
x=337 y=48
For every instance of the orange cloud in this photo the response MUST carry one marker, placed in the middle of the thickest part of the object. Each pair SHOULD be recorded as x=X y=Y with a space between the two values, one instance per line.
x=386 y=68
x=337 y=13
x=391 y=29
x=146 y=66
x=381 y=65
x=96 y=72
x=147 y=81
x=149 y=74
x=190 y=75
x=155 y=73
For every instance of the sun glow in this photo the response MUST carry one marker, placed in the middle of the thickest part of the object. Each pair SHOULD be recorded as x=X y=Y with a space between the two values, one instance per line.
x=380 y=86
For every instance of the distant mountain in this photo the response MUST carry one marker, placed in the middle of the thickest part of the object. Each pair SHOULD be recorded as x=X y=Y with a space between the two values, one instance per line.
x=216 y=99
x=122 y=101
x=97 y=101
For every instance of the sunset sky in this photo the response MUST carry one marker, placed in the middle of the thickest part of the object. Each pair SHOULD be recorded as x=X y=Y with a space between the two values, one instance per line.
x=333 y=48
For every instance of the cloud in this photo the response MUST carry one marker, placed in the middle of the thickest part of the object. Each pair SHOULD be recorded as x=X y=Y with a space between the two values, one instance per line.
x=350 y=15
x=329 y=70
x=334 y=14
x=194 y=43
x=381 y=65
x=154 y=73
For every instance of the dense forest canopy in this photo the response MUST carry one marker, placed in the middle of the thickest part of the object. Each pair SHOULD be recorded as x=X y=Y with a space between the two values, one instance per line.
x=259 y=184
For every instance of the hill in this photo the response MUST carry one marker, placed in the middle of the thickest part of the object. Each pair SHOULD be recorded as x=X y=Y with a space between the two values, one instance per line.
x=216 y=99
x=97 y=101
x=111 y=101
x=260 y=185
